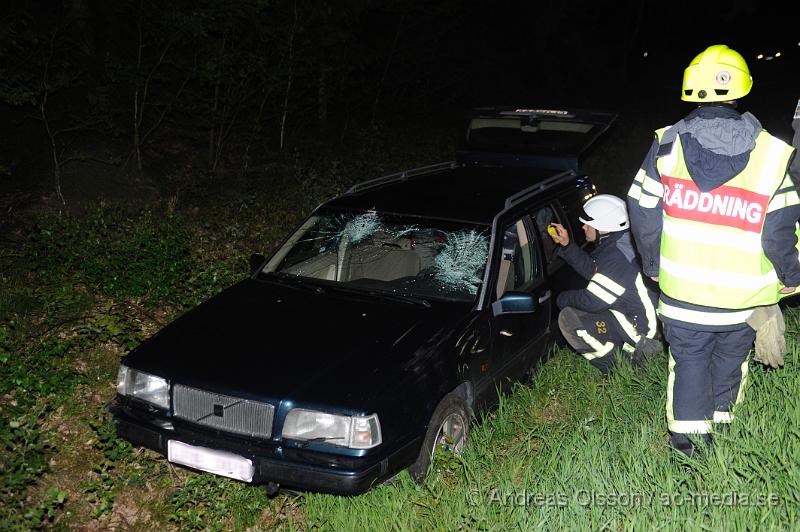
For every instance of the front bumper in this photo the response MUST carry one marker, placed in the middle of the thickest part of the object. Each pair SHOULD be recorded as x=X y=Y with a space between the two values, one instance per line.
x=293 y=468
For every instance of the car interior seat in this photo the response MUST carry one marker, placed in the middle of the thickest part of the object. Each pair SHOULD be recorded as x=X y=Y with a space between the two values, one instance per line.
x=385 y=263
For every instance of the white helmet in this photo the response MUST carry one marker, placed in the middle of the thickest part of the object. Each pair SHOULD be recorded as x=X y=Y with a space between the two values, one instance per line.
x=605 y=212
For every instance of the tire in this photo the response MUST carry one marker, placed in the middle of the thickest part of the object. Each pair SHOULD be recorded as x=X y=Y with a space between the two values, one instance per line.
x=450 y=418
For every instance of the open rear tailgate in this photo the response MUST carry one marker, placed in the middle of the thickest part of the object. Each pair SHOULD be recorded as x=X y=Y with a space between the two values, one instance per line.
x=543 y=138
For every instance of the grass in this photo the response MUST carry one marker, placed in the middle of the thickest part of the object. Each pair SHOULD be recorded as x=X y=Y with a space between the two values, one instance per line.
x=569 y=450
x=575 y=451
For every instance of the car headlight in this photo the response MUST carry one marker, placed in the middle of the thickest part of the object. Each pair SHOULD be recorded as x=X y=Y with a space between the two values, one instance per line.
x=356 y=432
x=141 y=385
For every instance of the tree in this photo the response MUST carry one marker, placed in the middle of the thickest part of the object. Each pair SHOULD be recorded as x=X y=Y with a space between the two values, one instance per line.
x=43 y=65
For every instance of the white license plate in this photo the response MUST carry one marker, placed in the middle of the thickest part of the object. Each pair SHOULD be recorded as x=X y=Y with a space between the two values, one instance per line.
x=213 y=461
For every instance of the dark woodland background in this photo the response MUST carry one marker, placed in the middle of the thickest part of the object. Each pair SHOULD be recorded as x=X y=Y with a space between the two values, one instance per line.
x=139 y=98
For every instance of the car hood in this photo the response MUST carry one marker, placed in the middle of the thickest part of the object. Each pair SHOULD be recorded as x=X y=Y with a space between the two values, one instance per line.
x=265 y=339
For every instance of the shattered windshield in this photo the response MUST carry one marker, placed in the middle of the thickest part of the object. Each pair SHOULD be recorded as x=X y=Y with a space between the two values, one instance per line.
x=378 y=252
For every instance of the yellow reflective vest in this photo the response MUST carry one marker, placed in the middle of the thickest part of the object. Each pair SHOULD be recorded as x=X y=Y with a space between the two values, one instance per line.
x=711 y=252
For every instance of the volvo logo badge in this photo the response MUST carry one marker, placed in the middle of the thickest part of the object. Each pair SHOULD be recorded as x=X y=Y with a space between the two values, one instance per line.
x=219 y=410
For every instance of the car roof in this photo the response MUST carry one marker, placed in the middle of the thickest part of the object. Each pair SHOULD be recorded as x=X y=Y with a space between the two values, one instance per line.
x=471 y=194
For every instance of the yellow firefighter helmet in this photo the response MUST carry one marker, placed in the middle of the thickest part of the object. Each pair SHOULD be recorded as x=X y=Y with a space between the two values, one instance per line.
x=717 y=74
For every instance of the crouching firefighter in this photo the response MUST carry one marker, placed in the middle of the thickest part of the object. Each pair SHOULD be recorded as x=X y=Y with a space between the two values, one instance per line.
x=615 y=314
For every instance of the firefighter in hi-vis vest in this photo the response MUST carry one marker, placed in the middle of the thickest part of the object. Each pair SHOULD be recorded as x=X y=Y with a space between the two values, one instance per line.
x=615 y=314
x=713 y=212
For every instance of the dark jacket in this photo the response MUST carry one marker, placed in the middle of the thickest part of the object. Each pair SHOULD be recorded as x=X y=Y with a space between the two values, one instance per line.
x=613 y=258
x=794 y=167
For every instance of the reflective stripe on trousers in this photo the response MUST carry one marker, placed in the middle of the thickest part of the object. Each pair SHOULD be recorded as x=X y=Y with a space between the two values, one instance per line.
x=707 y=378
x=595 y=336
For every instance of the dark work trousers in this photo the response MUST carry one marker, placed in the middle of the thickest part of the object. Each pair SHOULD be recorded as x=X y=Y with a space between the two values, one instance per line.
x=595 y=336
x=707 y=374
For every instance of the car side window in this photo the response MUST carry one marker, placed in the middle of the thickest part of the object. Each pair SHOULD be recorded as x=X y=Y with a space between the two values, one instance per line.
x=574 y=209
x=542 y=217
x=519 y=264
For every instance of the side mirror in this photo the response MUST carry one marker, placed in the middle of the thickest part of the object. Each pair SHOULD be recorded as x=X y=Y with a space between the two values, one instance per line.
x=514 y=303
x=256 y=260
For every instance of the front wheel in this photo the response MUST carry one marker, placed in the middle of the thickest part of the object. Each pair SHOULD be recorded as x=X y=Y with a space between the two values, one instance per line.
x=447 y=429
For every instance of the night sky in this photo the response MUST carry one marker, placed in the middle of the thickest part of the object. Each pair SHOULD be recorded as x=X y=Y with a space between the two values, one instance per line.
x=587 y=42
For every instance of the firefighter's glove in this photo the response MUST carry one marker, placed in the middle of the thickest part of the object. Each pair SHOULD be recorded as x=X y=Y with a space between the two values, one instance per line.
x=649 y=347
x=646 y=348
x=770 y=341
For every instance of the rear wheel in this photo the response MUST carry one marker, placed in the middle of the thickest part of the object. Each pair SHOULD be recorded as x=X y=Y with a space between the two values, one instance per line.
x=447 y=429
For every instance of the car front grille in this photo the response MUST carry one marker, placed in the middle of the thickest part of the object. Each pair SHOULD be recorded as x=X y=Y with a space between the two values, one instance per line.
x=223 y=412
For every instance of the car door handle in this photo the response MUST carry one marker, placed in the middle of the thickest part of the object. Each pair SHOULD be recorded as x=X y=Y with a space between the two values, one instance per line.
x=545 y=296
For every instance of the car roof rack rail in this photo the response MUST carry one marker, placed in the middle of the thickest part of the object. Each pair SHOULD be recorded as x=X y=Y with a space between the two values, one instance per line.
x=400 y=176
x=550 y=182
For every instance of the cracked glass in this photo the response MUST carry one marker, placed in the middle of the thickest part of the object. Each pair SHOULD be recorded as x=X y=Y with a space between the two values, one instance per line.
x=378 y=252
